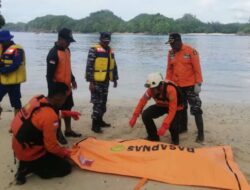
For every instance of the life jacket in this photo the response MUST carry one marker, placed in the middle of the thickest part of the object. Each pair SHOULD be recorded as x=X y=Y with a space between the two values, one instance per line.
x=22 y=127
x=163 y=99
x=18 y=76
x=104 y=64
x=63 y=69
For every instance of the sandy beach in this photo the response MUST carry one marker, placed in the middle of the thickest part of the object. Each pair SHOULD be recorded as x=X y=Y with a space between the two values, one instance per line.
x=225 y=124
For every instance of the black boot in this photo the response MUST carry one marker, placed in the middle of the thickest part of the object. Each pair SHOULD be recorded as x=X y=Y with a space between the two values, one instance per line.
x=199 y=124
x=21 y=173
x=156 y=138
x=103 y=123
x=60 y=137
x=95 y=126
x=183 y=121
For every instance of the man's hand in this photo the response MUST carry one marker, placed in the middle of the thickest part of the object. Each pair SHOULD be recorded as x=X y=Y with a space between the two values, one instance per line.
x=197 y=88
x=91 y=87
x=67 y=113
x=163 y=129
x=74 y=85
x=115 y=84
x=133 y=120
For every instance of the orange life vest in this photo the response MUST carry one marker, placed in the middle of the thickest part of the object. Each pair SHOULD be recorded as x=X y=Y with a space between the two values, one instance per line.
x=163 y=98
x=27 y=141
x=63 y=69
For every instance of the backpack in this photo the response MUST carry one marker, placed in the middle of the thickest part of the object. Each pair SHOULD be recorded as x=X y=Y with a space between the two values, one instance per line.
x=180 y=98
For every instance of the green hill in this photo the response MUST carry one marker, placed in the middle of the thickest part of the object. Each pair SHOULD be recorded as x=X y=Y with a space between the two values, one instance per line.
x=100 y=21
x=105 y=20
x=50 y=23
x=156 y=23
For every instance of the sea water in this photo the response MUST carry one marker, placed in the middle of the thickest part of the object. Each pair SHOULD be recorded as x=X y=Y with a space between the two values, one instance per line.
x=225 y=62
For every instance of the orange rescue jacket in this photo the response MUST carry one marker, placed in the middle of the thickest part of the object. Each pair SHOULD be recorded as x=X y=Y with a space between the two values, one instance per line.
x=63 y=69
x=184 y=67
x=34 y=131
x=168 y=98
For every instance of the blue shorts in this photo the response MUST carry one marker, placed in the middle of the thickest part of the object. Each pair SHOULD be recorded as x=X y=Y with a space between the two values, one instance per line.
x=14 y=92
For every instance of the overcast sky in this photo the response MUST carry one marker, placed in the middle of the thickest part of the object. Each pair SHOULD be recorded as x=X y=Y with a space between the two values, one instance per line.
x=223 y=11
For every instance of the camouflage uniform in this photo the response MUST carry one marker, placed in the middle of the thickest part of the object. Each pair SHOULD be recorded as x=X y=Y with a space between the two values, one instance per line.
x=100 y=93
x=189 y=96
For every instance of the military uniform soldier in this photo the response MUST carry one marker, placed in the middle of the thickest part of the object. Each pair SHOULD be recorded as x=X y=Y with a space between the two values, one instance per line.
x=100 y=69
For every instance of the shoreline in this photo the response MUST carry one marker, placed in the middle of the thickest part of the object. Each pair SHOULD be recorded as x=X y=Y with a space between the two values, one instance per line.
x=225 y=124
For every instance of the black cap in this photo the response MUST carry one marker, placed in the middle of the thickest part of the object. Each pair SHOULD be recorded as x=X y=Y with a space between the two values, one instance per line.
x=173 y=37
x=66 y=34
x=105 y=36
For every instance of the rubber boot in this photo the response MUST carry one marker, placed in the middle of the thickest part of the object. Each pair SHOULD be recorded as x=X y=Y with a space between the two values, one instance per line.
x=60 y=137
x=95 y=126
x=183 y=121
x=199 y=124
x=103 y=123
x=156 y=138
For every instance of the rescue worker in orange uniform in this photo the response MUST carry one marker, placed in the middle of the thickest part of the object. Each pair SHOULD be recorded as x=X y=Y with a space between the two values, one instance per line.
x=12 y=70
x=59 y=70
x=184 y=69
x=168 y=100
x=34 y=137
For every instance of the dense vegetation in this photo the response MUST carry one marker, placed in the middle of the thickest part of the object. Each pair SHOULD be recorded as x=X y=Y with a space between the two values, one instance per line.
x=2 y=21
x=144 y=23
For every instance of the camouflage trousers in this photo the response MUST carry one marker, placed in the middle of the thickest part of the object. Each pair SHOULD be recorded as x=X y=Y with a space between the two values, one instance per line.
x=99 y=98
x=193 y=99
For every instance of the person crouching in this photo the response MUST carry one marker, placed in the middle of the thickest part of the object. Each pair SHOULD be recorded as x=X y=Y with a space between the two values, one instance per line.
x=168 y=100
x=34 y=139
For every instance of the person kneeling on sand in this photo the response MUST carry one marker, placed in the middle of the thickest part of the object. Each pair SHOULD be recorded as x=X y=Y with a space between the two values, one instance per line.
x=34 y=137
x=168 y=100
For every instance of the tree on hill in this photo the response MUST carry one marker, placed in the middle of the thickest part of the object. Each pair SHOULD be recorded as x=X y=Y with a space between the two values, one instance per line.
x=150 y=23
x=189 y=24
x=245 y=29
x=103 y=20
x=50 y=23
x=20 y=26
x=2 y=21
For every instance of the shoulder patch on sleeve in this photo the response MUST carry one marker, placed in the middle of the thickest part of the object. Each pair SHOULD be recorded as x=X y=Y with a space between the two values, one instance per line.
x=56 y=123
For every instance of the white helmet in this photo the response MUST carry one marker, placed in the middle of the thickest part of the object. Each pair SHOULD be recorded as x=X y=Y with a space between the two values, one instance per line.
x=153 y=80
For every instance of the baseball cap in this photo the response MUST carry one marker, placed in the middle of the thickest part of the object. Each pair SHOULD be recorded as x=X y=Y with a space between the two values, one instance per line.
x=66 y=34
x=105 y=36
x=173 y=37
x=5 y=35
